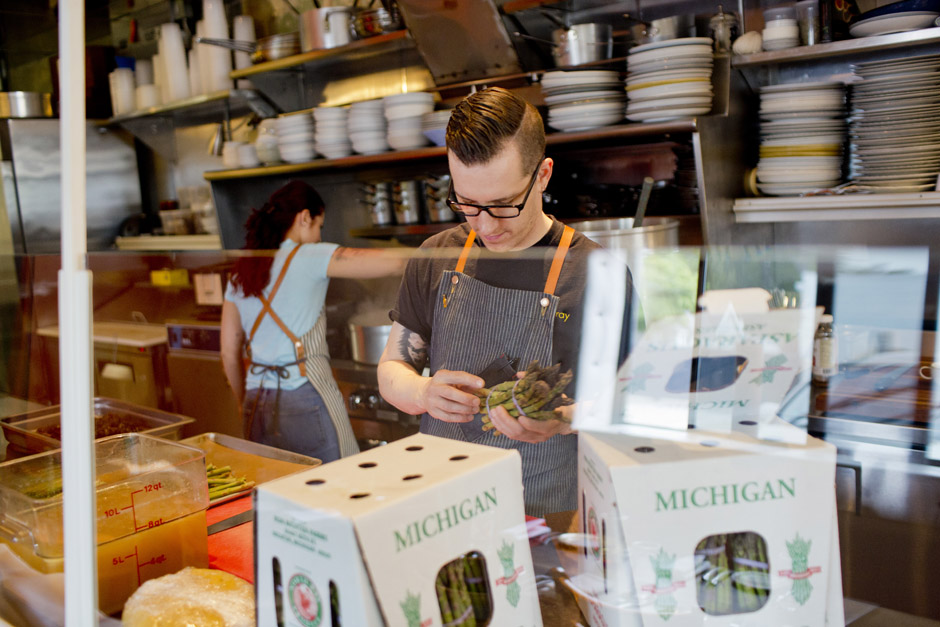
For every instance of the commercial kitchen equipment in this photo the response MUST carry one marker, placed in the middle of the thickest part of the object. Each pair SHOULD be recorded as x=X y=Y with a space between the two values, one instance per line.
x=129 y=360
x=197 y=381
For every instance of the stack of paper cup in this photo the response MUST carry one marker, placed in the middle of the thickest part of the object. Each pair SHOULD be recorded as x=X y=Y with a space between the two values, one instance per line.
x=195 y=73
x=147 y=96
x=243 y=29
x=220 y=59
x=121 y=82
x=143 y=72
x=174 y=58
x=202 y=55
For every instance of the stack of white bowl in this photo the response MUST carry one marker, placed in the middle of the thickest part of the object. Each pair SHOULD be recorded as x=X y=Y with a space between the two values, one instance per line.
x=780 y=28
x=895 y=125
x=434 y=126
x=583 y=99
x=367 y=127
x=332 y=133
x=802 y=137
x=404 y=114
x=295 y=137
x=669 y=80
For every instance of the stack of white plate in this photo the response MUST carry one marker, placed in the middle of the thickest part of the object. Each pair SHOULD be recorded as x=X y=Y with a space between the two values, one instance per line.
x=434 y=126
x=367 y=127
x=802 y=138
x=332 y=132
x=669 y=80
x=895 y=125
x=295 y=137
x=583 y=99
x=404 y=114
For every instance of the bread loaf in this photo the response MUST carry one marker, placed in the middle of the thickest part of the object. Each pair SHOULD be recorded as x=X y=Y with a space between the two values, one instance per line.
x=192 y=596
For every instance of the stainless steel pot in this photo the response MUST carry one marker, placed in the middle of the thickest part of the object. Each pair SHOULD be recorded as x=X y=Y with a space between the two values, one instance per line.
x=25 y=104
x=582 y=43
x=627 y=242
x=328 y=27
x=368 y=334
x=372 y=22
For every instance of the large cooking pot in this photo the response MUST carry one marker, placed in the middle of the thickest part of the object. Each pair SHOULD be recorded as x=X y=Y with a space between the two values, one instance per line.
x=25 y=104
x=582 y=43
x=368 y=333
x=627 y=242
x=328 y=27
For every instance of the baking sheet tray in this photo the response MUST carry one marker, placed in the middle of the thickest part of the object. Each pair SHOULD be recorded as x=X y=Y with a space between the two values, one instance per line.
x=253 y=461
x=21 y=429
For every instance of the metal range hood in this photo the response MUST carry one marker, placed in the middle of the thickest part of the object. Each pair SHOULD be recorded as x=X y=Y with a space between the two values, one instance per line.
x=460 y=40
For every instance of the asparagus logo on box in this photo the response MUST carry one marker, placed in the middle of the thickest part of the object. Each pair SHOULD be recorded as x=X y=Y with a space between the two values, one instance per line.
x=665 y=602
x=305 y=600
x=411 y=607
x=801 y=571
x=510 y=573
x=772 y=367
x=727 y=494
x=446 y=519
x=593 y=532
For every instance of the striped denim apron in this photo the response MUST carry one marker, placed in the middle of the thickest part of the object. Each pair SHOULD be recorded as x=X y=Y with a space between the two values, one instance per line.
x=475 y=323
x=313 y=359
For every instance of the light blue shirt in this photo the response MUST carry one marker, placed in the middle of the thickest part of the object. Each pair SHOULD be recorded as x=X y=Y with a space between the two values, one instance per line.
x=298 y=303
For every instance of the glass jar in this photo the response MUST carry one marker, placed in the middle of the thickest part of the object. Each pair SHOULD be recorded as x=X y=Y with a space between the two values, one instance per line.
x=825 y=352
x=266 y=142
x=723 y=28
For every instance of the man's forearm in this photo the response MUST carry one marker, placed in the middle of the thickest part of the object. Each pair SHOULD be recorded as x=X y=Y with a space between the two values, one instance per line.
x=401 y=386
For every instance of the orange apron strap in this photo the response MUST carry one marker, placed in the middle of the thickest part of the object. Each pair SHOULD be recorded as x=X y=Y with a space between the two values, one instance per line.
x=465 y=253
x=266 y=309
x=552 y=281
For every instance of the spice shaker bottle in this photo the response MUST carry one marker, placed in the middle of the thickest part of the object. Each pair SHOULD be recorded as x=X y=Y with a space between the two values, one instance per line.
x=825 y=352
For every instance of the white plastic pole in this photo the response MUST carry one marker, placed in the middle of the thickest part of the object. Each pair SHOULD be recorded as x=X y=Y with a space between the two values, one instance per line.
x=75 y=354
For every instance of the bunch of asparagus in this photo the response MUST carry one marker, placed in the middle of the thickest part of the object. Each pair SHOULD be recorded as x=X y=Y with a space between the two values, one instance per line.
x=222 y=482
x=462 y=592
x=734 y=576
x=537 y=395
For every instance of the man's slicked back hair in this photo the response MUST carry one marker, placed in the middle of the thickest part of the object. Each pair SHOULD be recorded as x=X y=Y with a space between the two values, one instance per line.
x=484 y=123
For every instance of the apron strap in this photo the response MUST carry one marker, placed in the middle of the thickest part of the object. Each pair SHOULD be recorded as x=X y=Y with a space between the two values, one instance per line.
x=552 y=281
x=266 y=309
x=465 y=253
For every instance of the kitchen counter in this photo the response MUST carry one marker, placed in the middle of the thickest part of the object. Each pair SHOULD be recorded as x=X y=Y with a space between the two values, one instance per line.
x=131 y=334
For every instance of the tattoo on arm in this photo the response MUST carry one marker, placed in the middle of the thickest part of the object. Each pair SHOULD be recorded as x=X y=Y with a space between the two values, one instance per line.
x=413 y=350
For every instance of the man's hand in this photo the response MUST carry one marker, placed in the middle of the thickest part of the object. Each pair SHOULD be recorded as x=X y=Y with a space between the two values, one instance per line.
x=443 y=398
x=525 y=429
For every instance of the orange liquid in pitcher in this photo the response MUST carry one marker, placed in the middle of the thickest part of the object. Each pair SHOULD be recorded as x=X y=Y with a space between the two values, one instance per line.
x=127 y=562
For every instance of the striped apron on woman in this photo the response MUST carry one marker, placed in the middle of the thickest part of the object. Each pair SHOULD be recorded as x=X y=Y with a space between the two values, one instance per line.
x=313 y=360
x=475 y=323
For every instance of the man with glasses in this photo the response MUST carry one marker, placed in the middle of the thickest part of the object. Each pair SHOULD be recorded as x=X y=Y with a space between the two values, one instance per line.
x=510 y=293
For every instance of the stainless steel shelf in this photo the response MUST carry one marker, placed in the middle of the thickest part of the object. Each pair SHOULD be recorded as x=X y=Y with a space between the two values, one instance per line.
x=360 y=49
x=201 y=109
x=841 y=48
x=621 y=131
x=838 y=208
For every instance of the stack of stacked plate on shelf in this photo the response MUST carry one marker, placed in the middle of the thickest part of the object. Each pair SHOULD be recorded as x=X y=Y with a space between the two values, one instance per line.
x=367 y=127
x=332 y=132
x=895 y=125
x=434 y=125
x=802 y=137
x=583 y=99
x=669 y=80
x=404 y=114
x=295 y=137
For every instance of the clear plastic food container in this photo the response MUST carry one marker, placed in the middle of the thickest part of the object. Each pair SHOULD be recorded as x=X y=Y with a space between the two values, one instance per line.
x=151 y=510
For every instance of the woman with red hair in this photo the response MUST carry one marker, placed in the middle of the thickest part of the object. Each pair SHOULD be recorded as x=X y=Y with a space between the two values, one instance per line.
x=274 y=348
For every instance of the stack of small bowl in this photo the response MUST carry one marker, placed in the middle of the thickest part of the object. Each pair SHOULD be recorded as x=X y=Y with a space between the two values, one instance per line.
x=434 y=126
x=803 y=132
x=367 y=127
x=295 y=137
x=404 y=113
x=670 y=79
x=583 y=99
x=332 y=133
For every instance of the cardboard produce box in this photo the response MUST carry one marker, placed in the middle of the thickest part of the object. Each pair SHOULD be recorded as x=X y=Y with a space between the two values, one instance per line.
x=419 y=533
x=686 y=528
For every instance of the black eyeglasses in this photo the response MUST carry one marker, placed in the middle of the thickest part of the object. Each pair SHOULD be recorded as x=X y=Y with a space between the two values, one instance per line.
x=497 y=211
